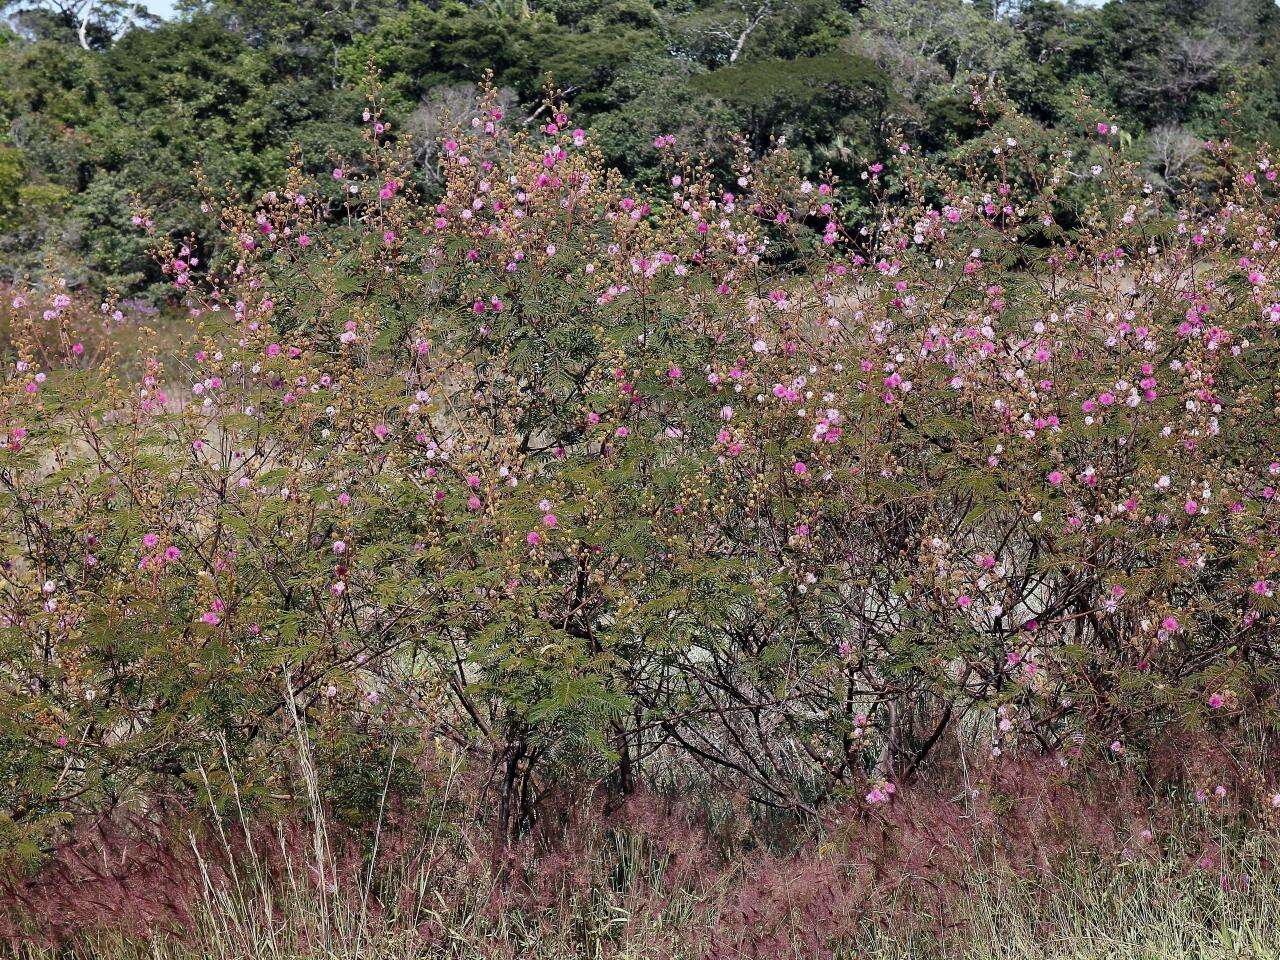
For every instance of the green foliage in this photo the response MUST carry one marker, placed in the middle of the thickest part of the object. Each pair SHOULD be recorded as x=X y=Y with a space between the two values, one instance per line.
x=234 y=85
x=589 y=479
x=808 y=96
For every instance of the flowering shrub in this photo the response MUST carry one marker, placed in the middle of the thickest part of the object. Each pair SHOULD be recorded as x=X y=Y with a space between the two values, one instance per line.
x=601 y=485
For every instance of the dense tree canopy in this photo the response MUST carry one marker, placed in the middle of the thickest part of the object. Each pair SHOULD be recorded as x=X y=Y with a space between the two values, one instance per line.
x=107 y=109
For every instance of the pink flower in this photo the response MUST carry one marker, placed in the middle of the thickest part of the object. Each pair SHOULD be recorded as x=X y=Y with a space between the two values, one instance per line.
x=534 y=538
x=1055 y=478
x=880 y=793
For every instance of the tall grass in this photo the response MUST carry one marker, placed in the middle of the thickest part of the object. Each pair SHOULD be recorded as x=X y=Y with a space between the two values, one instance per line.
x=311 y=889
x=1145 y=911
x=286 y=896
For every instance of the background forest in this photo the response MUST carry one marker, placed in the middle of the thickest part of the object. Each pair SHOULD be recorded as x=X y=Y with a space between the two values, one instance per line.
x=105 y=106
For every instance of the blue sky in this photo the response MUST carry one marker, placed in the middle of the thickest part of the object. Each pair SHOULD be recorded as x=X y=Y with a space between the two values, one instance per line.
x=161 y=8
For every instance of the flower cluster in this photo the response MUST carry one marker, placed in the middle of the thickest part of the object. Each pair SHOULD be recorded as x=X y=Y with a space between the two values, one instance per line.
x=594 y=481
